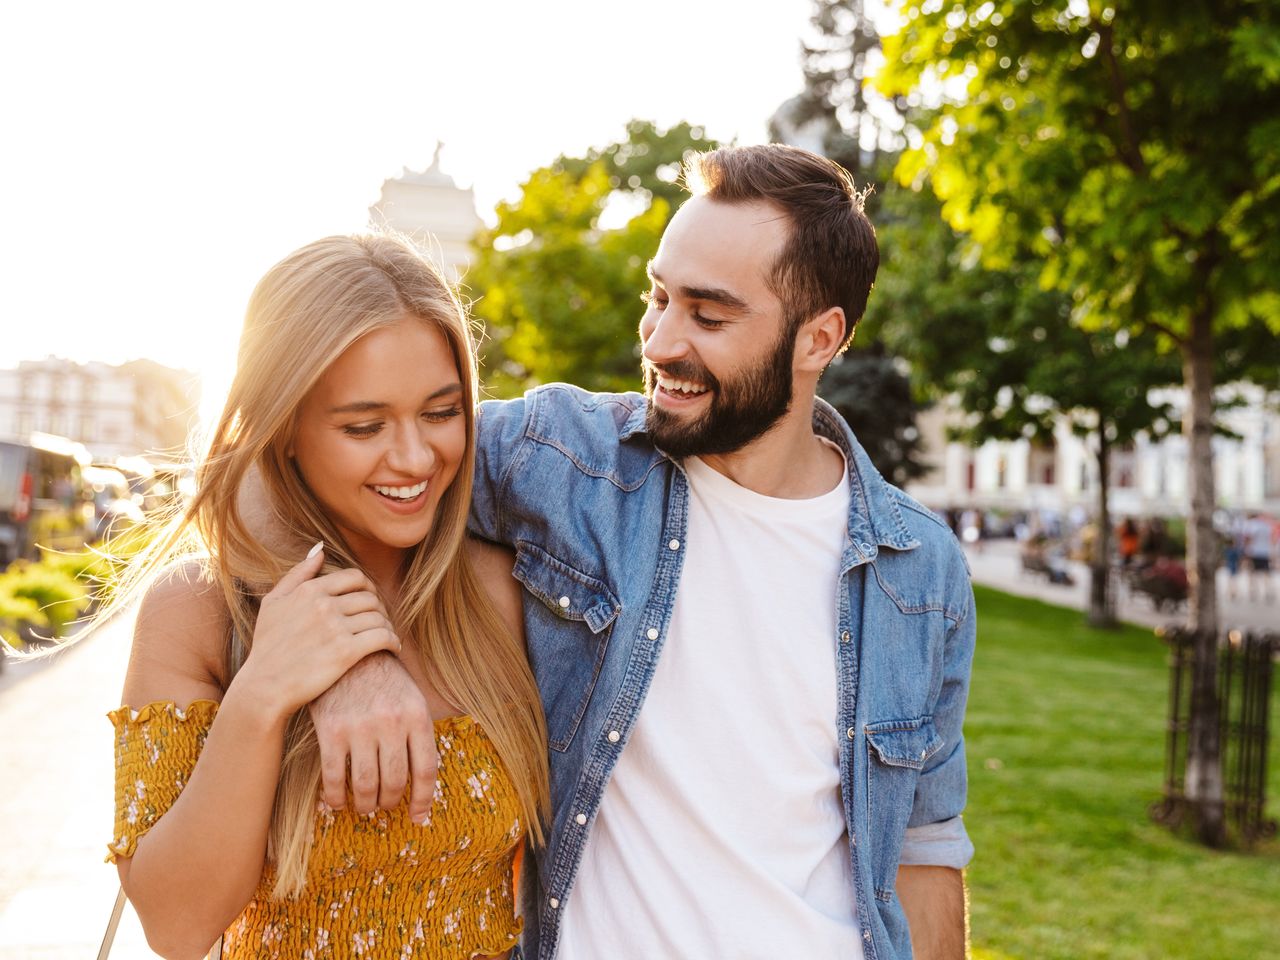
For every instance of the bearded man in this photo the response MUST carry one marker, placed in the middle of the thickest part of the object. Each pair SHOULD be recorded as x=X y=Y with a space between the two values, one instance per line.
x=753 y=652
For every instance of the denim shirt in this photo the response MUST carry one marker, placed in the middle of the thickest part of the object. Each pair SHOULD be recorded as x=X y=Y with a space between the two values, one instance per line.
x=597 y=516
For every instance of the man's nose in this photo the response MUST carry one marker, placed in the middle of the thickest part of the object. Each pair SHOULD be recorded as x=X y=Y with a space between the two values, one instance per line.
x=661 y=338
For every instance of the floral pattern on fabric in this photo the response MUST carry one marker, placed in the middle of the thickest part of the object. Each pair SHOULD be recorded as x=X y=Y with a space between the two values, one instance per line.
x=378 y=885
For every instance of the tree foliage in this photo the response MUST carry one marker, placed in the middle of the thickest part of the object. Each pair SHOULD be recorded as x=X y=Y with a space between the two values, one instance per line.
x=875 y=398
x=1133 y=152
x=836 y=98
x=555 y=285
x=1003 y=347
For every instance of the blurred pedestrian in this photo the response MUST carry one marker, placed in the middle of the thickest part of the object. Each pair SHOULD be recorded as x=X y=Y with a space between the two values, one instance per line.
x=971 y=528
x=1259 y=549
x=1127 y=541
x=1233 y=551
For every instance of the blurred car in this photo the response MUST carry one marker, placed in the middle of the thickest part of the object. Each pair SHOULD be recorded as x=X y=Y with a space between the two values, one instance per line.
x=43 y=498
x=115 y=505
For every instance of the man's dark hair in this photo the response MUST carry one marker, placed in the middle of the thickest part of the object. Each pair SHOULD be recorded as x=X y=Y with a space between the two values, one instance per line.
x=831 y=257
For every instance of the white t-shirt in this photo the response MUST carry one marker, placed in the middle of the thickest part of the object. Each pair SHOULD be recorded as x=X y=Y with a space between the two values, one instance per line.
x=721 y=832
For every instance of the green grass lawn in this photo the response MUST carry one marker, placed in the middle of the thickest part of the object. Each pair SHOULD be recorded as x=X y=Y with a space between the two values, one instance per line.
x=1065 y=737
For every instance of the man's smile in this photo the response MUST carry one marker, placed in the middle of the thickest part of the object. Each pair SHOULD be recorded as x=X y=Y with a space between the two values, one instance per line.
x=678 y=387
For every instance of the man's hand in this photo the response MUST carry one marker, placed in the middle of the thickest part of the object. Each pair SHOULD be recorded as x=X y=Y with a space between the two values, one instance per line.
x=376 y=717
x=934 y=901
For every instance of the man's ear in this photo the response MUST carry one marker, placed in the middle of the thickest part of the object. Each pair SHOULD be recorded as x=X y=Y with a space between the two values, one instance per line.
x=819 y=340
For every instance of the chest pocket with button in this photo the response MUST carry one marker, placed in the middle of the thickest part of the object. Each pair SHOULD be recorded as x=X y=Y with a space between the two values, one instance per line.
x=568 y=618
x=898 y=750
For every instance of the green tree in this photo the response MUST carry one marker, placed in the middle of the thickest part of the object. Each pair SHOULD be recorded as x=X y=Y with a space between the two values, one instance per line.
x=947 y=314
x=1005 y=352
x=555 y=285
x=875 y=398
x=836 y=102
x=842 y=117
x=1135 y=153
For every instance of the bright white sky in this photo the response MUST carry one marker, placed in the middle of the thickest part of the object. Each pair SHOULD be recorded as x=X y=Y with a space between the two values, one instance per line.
x=157 y=158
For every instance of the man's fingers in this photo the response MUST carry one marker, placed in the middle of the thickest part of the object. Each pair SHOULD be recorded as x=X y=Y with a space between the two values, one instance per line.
x=348 y=580
x=369 y=641
x=362 y=622
x=302 y=571
x=359 y=601
x=393 y=769
x=333 y=776
x=424 y=760
x=364 y=778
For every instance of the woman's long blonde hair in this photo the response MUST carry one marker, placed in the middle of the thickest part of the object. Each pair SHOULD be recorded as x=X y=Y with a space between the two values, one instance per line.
x=304 y=313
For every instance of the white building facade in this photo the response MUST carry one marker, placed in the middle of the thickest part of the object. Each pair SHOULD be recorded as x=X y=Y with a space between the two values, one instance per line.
x=1148 y=478
x=131 y=409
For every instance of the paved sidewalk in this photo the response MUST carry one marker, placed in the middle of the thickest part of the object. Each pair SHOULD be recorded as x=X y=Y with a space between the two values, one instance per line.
x=55 y=806
x=997 y=565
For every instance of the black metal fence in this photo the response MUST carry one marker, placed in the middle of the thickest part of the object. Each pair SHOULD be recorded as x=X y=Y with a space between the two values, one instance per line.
x=1245 y=667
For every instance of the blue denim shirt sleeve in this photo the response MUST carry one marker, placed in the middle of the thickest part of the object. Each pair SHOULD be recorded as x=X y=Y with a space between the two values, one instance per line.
x=935 y=833
x=500 y=429
x=944 y=844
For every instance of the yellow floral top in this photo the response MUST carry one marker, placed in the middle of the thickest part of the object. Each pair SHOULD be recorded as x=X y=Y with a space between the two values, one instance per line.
x=377 y=885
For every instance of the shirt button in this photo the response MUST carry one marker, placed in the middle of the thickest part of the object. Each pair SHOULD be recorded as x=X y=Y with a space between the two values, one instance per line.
x=652 y=634
x=580 y=819
x=844 y=636
x=615 y=736
x=673 y=545
x=554 y=903
x=849 y=733
x=564 y=602
x=866 y=935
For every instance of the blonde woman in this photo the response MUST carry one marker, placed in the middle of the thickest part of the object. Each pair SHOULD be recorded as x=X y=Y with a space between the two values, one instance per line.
x=353 y=401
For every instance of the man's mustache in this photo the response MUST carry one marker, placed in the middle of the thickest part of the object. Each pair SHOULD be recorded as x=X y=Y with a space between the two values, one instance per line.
x=681 y=370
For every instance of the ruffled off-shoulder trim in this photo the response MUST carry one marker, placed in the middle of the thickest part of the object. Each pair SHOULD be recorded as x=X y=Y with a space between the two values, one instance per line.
x=197 y=711
x=156 y=750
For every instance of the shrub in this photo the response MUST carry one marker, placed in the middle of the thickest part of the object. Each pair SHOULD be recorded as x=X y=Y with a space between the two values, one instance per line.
x=18 y=615
x=58 y=597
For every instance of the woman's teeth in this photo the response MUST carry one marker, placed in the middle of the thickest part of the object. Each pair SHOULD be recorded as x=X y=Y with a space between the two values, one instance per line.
x=401 y=493
x=683 y=386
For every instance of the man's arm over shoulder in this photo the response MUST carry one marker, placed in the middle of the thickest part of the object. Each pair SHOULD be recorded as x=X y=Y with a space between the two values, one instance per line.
x=500 y=429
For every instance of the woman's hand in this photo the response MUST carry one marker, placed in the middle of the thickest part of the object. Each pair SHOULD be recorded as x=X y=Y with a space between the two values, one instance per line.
x=310 y=631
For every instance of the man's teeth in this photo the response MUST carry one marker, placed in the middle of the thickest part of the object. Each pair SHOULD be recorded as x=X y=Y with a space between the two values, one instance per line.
x=402 y=493
x=684 y=386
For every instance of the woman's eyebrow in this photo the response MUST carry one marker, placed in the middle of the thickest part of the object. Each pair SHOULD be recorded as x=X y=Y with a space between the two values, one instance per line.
x=369 y=406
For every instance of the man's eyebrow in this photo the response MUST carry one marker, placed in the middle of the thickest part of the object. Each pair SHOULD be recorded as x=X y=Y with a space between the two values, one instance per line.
x=709 y=294
x=714 y=295
x=370 y=406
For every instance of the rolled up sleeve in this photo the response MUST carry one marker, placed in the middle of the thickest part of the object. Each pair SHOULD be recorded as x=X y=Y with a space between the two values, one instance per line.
x=935 y=833
x=942 y=844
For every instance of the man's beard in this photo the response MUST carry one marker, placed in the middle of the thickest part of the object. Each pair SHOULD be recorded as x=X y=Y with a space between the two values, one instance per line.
x=743 y=408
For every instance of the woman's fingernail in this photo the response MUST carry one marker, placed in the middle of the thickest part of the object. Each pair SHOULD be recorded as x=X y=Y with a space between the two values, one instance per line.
x=316 y=549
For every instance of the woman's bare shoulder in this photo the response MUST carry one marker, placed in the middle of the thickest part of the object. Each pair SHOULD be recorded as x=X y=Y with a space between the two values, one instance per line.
x=179 y=637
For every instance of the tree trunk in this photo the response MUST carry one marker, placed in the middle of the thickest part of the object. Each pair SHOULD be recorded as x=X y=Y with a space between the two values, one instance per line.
x=1100 y=614
x=1204 y=760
